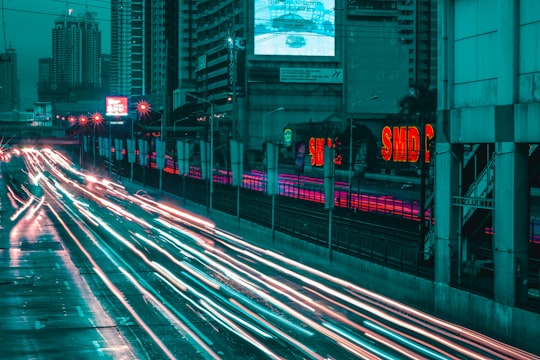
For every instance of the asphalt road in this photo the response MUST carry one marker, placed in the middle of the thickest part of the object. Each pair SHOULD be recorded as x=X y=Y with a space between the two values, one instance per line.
x=93 y=269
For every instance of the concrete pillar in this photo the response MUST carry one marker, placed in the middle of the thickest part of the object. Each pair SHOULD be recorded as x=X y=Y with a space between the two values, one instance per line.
x=446 y=248
x=511 y=219
x=508 y=46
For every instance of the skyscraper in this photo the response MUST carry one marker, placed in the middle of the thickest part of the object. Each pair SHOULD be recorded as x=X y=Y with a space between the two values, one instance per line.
x=76 y=66
x=127 y=47
x=162 y=33
x=9 y=81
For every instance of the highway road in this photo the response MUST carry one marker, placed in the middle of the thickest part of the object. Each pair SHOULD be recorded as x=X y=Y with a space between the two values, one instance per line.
x=123 y=275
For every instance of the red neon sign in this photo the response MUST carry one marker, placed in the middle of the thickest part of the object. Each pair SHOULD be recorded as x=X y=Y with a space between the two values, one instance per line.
x=316 y=150
x=402 y=143
x=116 y=106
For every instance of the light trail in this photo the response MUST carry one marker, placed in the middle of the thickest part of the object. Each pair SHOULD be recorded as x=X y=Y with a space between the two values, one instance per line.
x=114 y=290
x=256 y=294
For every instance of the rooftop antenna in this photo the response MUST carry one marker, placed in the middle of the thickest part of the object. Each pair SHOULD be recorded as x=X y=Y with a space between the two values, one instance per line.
x=4 y=25
x=68 y=10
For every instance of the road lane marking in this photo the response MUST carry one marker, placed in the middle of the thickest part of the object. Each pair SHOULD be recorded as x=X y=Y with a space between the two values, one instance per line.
x=98 y=348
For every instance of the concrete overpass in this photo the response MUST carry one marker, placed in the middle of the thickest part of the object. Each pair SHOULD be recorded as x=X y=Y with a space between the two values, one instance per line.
x=27 y=134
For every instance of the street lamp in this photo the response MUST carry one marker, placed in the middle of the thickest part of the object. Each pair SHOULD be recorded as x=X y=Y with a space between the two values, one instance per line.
x=143 y=109
x=110 y=148
x=83 y=120
x=160 y=152
x=211 y=146
x=174 y=124
x=281 y=108
x=96 y=120
x=373 y=97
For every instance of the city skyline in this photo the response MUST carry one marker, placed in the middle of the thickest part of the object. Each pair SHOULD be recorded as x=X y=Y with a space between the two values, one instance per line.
x=27 y=28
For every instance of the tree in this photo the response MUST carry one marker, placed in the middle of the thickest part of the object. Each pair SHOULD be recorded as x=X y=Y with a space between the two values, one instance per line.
x=421 y=102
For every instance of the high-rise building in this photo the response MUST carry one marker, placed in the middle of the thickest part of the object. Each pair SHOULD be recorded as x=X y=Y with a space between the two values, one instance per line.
x=76 y=55
x=47 y=89
x=105 y=73
x=415 y=24
x=127 y=47
x=152 y=51
x=317 y=60
x=9 y=81
x=220 y=69
x=162 y=52
x=426 y=43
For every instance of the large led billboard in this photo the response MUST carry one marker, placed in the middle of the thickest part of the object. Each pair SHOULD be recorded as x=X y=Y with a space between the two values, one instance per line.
x=294 y=27
x=116 y=106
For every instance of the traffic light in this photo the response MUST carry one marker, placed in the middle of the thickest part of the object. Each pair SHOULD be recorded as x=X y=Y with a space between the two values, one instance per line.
x=143 y=107
x=97 y=118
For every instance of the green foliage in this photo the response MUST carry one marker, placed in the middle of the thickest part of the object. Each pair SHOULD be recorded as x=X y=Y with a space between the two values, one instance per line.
x=421 y=102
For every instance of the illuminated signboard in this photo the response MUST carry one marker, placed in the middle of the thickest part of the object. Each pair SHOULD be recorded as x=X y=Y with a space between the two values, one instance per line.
x=294 y=27
x=116 y=106
x=402 y=143
x=311 y=75
x=316 y=150
x=288 y=137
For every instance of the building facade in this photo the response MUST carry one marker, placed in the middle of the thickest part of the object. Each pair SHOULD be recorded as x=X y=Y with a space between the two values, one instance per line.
x=246 y=59
x=487 y=162
x=251 y=57
x=127 y=48
x=76 y=55
x=9 y=81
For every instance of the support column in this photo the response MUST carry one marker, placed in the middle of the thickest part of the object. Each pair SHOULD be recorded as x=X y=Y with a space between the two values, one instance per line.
x=511 y=219
x=446 y=249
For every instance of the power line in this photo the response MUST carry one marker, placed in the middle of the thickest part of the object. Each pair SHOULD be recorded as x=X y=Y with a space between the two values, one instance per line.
x=44 y=13
x=4 y=26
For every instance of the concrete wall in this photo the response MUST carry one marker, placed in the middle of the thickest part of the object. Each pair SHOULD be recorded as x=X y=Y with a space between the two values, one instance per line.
x=505 y=323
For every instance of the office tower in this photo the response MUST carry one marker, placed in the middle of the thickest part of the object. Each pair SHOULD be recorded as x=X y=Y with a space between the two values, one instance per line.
x=76 y=60
x=127 y=47
x=9 y=81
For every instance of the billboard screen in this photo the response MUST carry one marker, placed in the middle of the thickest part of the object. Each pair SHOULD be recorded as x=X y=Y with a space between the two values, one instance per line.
x=294 y=27
x=116 y=106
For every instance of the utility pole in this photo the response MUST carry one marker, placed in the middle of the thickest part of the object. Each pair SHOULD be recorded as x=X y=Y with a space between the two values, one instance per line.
x=164 y=117
x=233 y=70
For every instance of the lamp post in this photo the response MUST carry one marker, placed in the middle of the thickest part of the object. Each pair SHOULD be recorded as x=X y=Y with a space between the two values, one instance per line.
x=281 y=108
x=272 y=165
x=131 y=148
x=373 y=97
x=161 y=149
x=96 y=120
x=211 y=191
x=174 y=124
x=110 y=149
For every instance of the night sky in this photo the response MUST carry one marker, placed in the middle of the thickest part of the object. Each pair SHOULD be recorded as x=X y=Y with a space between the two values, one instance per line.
x=26 y=26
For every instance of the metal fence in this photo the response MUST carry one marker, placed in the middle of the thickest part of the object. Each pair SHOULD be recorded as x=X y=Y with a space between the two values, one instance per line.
x=356 y=230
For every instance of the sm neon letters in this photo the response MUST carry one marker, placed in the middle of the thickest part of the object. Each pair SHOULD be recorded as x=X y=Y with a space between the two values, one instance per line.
x=402 y=143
